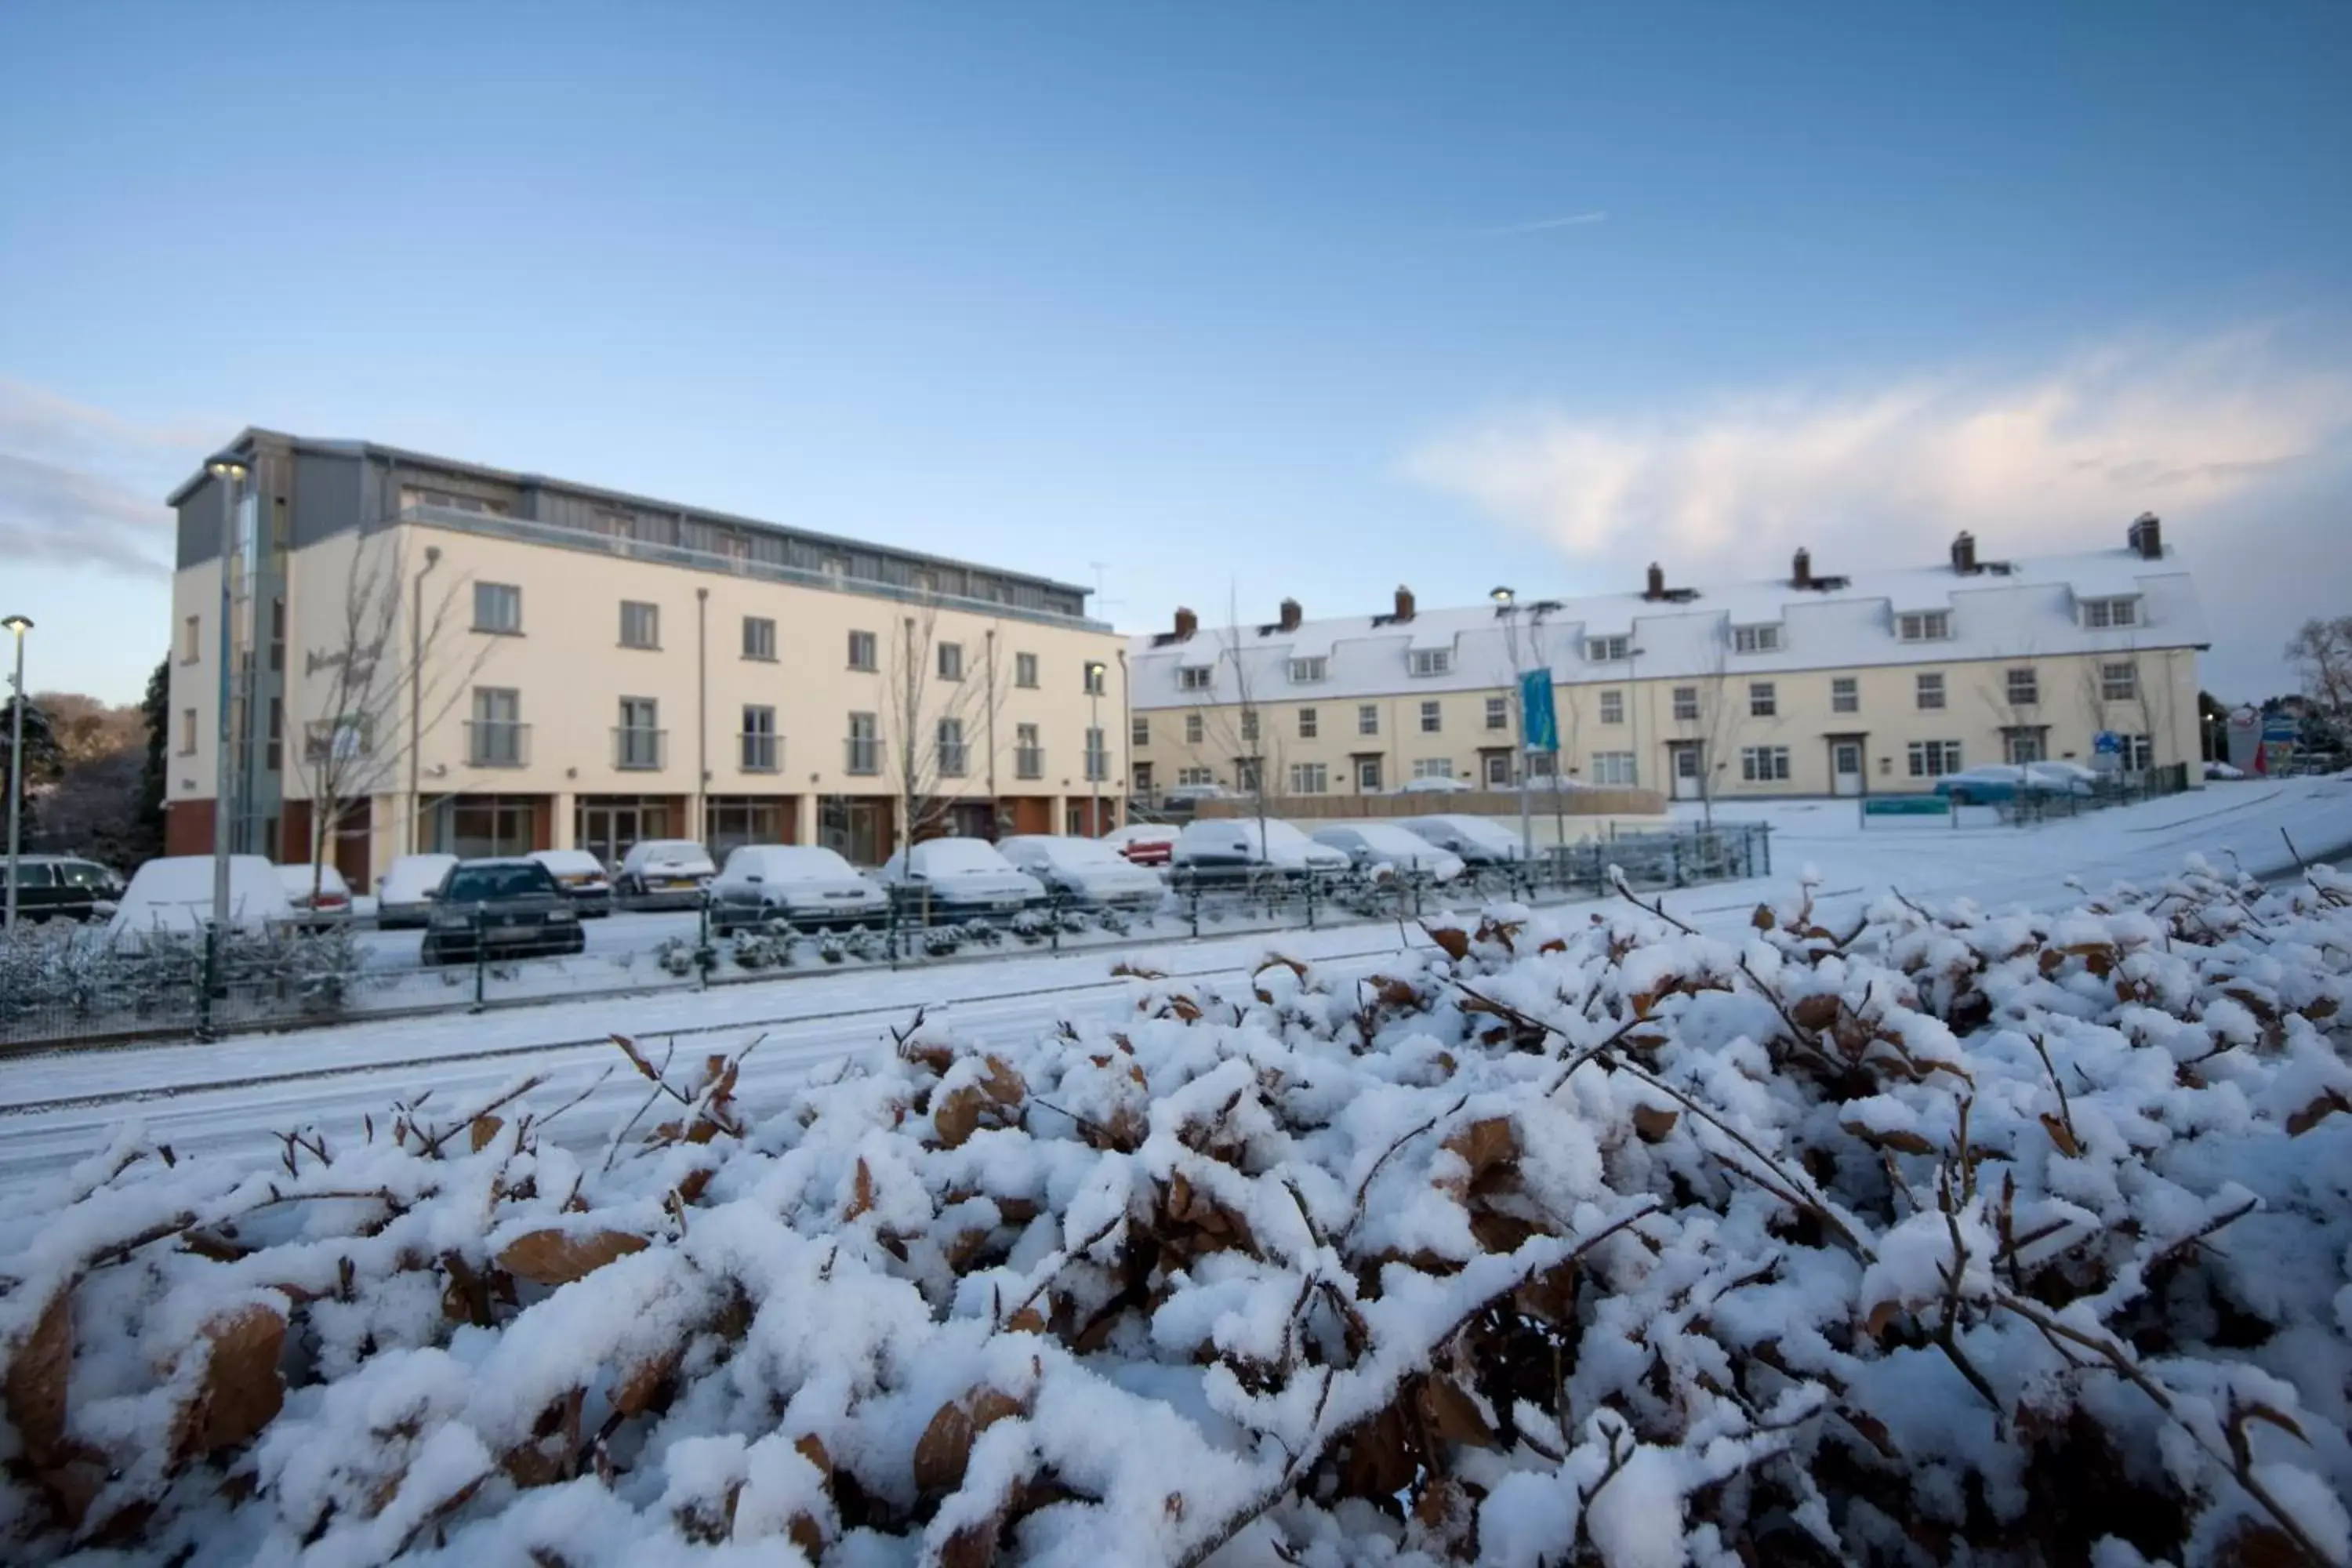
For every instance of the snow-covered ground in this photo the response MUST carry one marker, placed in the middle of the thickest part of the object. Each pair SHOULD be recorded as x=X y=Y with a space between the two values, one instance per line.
x=237 y=1095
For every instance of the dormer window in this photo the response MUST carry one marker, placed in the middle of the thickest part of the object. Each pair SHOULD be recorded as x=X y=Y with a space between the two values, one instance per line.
x=1310 y=671
x=1608 y=650
x=2101 y=614
x=1433 y=660
x=1765 y=638
x=1924 y=626
x=1194 y=676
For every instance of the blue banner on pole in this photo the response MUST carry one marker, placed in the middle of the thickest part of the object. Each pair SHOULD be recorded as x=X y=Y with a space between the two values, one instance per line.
x=1538 y=724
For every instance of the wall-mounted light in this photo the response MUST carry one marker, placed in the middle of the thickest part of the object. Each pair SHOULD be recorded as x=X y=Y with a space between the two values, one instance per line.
x=572 y=772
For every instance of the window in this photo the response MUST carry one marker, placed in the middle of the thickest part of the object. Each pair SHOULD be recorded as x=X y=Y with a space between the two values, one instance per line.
x=758 y=740
x=640 y=625
x=1309 y=778
x=637 y=741
x=2118 y=682
x=1196 y=776
x=1498 y=713
x=836 y=567
x=1608 y=650
x=1685 y=704
x=1028 y=754
x=1764 y=765
x=760 y=638
x=1307 y=671
x=864 y=747
x=1763 y=701
x=498 y=607
x=191 y=640
x=1432 y=718
x=1433 y=660
x=2021 y=746
x=1433 y=767
x=1368 y=775
x=1934 y=759
x=1138 y=732
x=1612 y=768
x=1930 y=687
x=950 y=661
x=2024 y=687
x=1498 y=770
x=1846 y=694
x=954 y=755
x=1249 y=726
x=1247 y=775
x=1307 y=723
x=1193 y=728
x=1756 y=639
x=1368 y=718
x=2102 y=613
x=1612 y=708
x=1924 y=626
x=1025 y=671
x=494 y=735
x=862 y=651
x=1096 y=669
x=1097 y=757
x=187 y=732
x=2139 y=753
x=1195 y=677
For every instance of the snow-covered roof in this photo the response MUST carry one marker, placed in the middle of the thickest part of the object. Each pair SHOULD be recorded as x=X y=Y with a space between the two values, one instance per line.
x=2007 y=610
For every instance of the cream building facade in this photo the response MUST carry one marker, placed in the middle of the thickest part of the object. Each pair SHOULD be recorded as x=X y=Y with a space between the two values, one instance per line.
x=1818 y=684
x=434 y=655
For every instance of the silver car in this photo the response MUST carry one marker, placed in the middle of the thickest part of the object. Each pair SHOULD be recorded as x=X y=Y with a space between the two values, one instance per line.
x=799 y=883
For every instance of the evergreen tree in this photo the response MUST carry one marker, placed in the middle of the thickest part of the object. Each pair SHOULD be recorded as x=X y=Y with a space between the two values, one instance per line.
x=148 y=829
x=43 y=761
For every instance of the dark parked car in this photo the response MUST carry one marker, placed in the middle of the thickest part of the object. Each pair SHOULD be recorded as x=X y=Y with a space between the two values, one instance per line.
x=57 y=887
x=500 y=909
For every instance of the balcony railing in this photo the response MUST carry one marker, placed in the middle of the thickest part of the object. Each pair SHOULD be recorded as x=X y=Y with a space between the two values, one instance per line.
x=955 y=759
x=761 y=752
x=1098 y=767
x=1029 y=762
x=865 y=757
x=497 y=743
x=638 y=750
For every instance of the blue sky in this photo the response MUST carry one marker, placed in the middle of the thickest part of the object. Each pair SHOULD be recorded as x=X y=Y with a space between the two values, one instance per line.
x=1237 y=302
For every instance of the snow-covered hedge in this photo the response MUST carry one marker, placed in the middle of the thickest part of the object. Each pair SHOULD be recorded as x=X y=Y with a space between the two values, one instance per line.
x=1954 y=1237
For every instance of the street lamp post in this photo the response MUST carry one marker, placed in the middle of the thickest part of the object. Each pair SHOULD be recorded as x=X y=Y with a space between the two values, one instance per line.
x=20 y=624
x=1508 y=600
x=229 y=473
x=416 y=702
x=1098 y=753
x=1634 y=708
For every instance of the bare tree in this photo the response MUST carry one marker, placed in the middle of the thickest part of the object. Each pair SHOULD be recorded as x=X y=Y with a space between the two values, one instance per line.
x=2016 y=708
x=1239 y=731
x=2321 y=652
x=372 y=709
x=935 y=706
x=1721 y=711
x=2129 y=703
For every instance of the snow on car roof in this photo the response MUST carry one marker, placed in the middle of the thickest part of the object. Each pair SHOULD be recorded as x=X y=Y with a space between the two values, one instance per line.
x=576 y=859
x=959 y=855
x=2031 y=608
x=806 y=860
x=1067 y=851
x=413 y=874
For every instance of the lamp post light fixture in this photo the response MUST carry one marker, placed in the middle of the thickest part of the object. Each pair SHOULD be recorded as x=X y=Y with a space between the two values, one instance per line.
x=229 y=473
x=1098 y=754
x=20 y=624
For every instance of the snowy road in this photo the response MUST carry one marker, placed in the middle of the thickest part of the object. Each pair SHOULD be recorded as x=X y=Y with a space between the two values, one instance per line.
x=231 y=1098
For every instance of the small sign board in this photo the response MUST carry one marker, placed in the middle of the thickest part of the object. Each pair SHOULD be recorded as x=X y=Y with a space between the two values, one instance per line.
x=1905 y=806
x=2107 y=744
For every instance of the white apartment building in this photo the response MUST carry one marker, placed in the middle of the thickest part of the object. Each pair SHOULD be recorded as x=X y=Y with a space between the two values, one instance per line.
x=1818 y=684
x=424 y=654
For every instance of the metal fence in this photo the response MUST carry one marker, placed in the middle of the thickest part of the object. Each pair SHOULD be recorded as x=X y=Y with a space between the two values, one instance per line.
x=62 y=986
x=2121 y=789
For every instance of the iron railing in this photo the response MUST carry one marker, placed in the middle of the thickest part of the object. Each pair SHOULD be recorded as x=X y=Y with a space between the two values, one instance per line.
x=497 y=743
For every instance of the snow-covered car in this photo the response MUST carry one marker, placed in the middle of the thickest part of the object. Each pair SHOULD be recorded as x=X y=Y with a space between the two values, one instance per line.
x=664 y=874
x=2223 y=770
x=958 y=879
x=1144 y=842
x=1478 y=841
x=582 y=877
x=508 y=907
x=175 y=893
x=1990 y=784
x=1434 y=783
x=1085 y=870
x=1233 y=846
x=803 y=883
x=1182 y=795
x=319 y=895
x=2064 y=778
x=404 y=894
x=1370 y=846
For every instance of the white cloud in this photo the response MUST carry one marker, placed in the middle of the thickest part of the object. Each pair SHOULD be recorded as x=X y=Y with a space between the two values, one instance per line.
x=1574 y=220
x=80 y=486
x=1875 y=475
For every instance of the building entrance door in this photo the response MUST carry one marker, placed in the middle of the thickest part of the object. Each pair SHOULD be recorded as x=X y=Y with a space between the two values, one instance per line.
x=1690 y=779
x=608 y=829
x=1845 y=767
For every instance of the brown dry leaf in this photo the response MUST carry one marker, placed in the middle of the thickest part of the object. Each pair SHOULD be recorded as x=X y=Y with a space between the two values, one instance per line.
x=973 y=1546
x=861 y=1197
x=2278 y=1418
x=1276 y=961
x=1557 y=944
x=1136 y=972
x=1763 y=919
x=1003 y=1085
x=558 y=1257
x=1653 y=1122
x=1452 y=939
x=1027 y=1321
x=1394 y=992
x=1882 y=1317
x=2059 y=1135
x=545 y=1457
x=1816 y=1012
x=803 y=1531
x=811 y=1447
x=1874 y=1432
x=35 y=1385
x=2317 y=1112
x=691 y=1188
x=957 y=1116
x=635 y=1393
x=1452 y=1414
x=629 y=1049
x=241 y=1392
x=485 y=1127
x=1901 y=1141
x=1484 y=1144
x=1184 y=1007
x=945 y=1447
x=2253 y=1545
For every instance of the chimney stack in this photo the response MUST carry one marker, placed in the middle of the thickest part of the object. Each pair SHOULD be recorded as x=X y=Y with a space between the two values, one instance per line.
x=1403 y=603
x=1187 y=623
x=1657 y=588
x=2147 y=537
x=1964 y=554
x=1291 y=614
x=1800 y=570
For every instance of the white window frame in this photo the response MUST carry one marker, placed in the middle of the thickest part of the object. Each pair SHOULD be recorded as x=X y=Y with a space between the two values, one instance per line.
x=954 y=752
x=647 y=615
x=1024 y=671
x=1685 y=704
x=1498 y=713
x=1927 y=691
x=1763 y=699
x=1498 y=770
x=1608 y=650
x=1195 y=777
x=1368 y=718
x=948 y=661
x=1310 y=778
x=504 y=603
x=1433 y=767
x=1932 y=759
x=1924 y=626
x=1761 y=637
x=2023 y=686
x=1195 y=730
x=1614 y=769
x=1310 y=671
x=1429 y=661
x=1139 y=732
x=867 y=644
x=2111 y=614
x=1432 y=718
x=1195 y=677
x=1309 y=723
x=1846 y=694
x=1612 y=706
x=759 y=748
x=2118 y=681
x=1764 y=765
x=760 y=638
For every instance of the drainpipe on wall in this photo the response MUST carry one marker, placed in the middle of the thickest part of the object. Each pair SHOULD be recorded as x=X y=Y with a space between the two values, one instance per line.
x=1126 y=747
x=995 y=802
x=701 y=712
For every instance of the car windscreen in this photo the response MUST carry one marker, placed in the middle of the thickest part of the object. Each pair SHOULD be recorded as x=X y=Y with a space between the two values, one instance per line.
x=479 y=884
x=944 y=854
x=797 y=863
